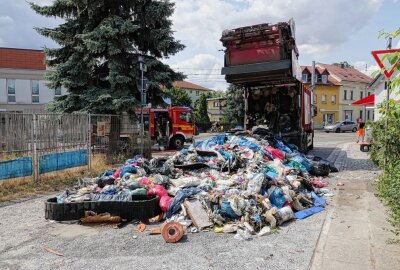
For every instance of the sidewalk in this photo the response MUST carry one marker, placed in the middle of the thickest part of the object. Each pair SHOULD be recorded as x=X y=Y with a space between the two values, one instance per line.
x=355 y=231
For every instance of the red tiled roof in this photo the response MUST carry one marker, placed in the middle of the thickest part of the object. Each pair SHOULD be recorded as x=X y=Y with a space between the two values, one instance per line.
x=346 y=74
x=188 y=85
x=22 y=59
x=320 y=70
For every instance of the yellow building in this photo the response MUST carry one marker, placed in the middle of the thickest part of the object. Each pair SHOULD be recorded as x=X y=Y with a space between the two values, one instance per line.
x=326 y=95
x=215 y=108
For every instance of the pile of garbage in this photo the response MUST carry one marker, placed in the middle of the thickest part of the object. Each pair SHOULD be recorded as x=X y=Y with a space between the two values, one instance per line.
x=248 y=185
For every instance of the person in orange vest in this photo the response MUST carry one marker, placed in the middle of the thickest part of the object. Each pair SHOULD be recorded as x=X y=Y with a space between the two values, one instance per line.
x=360 y=131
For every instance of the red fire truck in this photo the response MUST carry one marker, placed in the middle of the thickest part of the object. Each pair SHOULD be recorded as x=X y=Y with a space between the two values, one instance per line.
x=263 y=60
x=170 y=127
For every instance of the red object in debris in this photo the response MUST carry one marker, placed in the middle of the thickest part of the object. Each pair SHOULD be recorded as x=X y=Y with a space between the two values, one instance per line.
x=276 y=153
x=117 y=173
x=165 y=201
x=158 y=190
x=172 y=232
x=318 y=184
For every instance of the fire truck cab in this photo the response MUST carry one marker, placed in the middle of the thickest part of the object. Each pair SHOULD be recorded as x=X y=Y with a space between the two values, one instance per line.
x=171 y=127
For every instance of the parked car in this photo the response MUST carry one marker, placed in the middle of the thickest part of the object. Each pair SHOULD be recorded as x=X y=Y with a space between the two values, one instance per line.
x=341 y=126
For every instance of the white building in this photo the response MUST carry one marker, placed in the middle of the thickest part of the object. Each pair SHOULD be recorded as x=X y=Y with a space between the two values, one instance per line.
x=22 y=84
x=379 y=86
x=193 y=90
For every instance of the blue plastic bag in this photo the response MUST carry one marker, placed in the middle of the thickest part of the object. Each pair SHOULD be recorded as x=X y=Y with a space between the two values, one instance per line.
x=308 y=212
x=277 y=198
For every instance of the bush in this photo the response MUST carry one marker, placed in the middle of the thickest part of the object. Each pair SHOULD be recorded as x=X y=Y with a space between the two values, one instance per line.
x=388 y=188
x=386 y=145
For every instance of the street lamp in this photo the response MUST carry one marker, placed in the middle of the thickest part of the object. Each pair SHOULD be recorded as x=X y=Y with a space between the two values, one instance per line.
x=143 y=68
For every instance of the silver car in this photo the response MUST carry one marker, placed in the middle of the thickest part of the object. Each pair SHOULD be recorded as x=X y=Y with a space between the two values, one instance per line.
x=341 y=126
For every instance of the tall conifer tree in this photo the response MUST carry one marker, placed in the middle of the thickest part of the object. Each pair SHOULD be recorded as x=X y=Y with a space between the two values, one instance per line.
x=100 y=41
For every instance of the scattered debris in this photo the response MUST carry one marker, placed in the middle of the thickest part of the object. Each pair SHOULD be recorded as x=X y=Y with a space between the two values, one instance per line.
x=197 y=214
x=172 y=232
x=53 y=251
x=92 y=217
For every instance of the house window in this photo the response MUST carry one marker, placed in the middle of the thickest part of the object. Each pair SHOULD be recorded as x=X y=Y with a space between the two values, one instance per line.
x=351 y=95
x=217 y=104
x=197 y=93
x=304 y=77
x=348 y=115
x=57 y=91
x=345 y=95
x=11 y=90
x=324 y=78
x=361 y=94
x=323 y=99
x=35 y=91
x=333 y=99
x=315 y=99
x=368 y=115
x=361 y=114
x=369 y=93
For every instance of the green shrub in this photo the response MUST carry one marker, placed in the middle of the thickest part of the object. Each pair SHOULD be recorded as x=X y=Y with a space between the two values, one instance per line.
x=389 y=190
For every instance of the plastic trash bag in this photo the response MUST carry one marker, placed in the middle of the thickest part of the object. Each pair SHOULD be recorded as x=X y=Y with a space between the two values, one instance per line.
x=321 y=168
x=165 y=202
x=181 y=195
x=308 y=212
x=284 y=214
x=158 y=190
x=254 y=185
x=277 y=198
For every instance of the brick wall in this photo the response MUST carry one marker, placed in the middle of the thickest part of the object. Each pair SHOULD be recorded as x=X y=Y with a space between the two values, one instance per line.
x=22 y=59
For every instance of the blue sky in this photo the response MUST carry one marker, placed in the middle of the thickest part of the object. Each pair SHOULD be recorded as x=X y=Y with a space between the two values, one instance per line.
x=326 y=30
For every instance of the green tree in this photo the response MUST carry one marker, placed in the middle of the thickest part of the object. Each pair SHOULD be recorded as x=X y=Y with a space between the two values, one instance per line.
x=179 y=97
x=200 y=111
x=234 y=108
x=100 y=41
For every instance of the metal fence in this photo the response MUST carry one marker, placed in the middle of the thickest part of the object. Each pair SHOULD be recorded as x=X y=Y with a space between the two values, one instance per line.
x=34 y=144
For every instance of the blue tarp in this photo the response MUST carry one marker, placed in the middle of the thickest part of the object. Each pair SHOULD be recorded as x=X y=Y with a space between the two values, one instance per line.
x=16 y=168
x=60 y=161
x=308 y=212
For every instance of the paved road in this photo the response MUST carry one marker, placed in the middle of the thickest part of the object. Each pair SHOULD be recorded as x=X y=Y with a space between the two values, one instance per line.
x=24 y=233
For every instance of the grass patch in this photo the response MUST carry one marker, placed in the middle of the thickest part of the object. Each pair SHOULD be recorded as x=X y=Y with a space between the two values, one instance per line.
x=55 y=181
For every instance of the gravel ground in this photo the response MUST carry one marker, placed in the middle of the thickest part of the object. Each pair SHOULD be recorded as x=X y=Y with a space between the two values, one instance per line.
x=24 y=233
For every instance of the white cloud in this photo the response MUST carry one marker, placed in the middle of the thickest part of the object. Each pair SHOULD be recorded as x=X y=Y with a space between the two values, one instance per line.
x=366 y=68
x=204 y=70
x=321 y=25
x=5 y=20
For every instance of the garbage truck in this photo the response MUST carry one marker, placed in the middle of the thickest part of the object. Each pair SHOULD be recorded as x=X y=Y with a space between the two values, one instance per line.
x=263 y=60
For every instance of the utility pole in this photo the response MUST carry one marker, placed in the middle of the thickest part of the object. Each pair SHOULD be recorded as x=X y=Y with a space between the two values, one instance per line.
x=143 y=68
x=313 y=82
x=246 y=107
x=389 y=46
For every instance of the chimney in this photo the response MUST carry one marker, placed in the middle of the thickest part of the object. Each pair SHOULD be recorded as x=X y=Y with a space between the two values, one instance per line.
x=342 y=64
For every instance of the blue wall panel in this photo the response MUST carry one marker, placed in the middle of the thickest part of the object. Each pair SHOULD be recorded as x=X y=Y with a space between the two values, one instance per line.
x=60 y=161
x=16 y=168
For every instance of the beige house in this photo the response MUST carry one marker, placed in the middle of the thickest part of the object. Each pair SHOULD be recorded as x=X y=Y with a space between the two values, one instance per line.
x=354 y=85
x=215 y=108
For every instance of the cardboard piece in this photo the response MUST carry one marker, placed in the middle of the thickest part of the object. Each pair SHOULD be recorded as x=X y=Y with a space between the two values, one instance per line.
x=197 y=214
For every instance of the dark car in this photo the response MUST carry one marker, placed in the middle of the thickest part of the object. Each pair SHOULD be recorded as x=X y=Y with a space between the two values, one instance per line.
x=341 y=126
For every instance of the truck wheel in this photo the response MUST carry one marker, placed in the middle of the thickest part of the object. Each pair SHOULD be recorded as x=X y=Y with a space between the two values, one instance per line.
x=177 y=142
x=354 y=129
x=338 y=130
